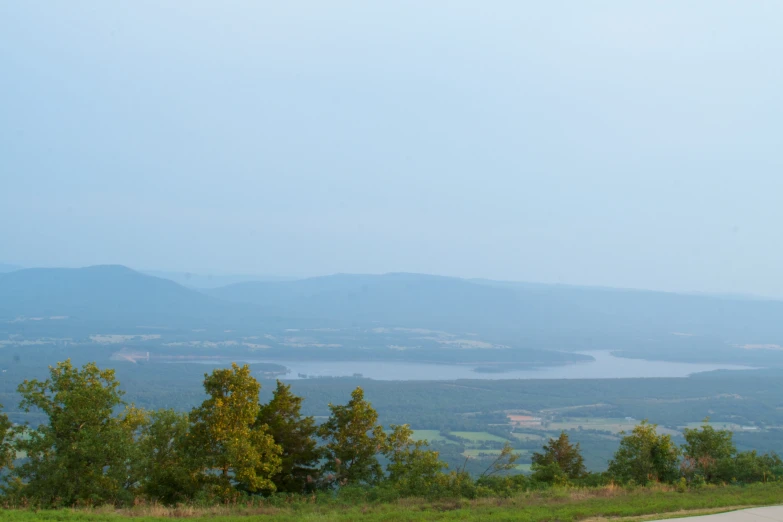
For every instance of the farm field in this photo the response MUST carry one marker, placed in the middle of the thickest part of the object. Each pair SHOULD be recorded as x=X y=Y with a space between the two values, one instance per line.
x=731 y=426
x=478 y=436
x=613 y=425
x=473 y=453
x=431 y=436
x=528 y=437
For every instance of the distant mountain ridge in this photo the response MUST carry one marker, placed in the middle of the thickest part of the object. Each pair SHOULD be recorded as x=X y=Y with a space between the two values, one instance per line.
x=103 y=292
x=536 y=309
x=4 y=267
x=395 y=298
x=201 y=281
x=554 y=316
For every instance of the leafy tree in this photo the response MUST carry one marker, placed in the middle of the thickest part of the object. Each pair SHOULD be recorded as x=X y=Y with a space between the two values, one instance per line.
x=705 y=449
x=282 y=419
x=561 y=454
x=168 y=473
x=413 y=469
x=645 y=456
x=749 y=466
x=84 y=454
x=7 y=452
x=223 y=437
x=353 y=441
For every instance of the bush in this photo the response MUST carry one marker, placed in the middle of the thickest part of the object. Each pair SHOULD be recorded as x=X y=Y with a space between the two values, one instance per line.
x=682 y=485
x=550 y=473
x=593 y=480
x=505 y=486
x=453 y=485
x=698 y=481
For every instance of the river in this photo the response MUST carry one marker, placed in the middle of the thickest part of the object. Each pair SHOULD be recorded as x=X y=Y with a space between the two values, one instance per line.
x=604 y=366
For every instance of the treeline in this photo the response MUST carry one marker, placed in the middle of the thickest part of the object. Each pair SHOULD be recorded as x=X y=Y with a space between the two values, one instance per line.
x=95 y=449
x=708 y=456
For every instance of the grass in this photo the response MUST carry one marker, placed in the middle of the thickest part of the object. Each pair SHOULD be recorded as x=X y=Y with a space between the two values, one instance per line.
x=562 y=505
x=527 y=436
x=430 y=435
x=614 y=425
x=476 y=452
x=731 y=426
x=478 y=436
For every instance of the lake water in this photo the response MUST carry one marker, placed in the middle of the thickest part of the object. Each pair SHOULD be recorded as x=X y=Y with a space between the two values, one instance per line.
x=605 y=366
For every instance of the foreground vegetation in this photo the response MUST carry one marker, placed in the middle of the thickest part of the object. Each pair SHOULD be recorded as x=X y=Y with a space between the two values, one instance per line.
x=234 y=452
x=561 y=504
x=731 y=399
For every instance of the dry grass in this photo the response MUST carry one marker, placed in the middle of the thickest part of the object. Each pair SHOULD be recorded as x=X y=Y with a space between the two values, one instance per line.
x=608 y=503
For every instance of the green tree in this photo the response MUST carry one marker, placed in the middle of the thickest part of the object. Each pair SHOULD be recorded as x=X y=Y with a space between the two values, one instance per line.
x=705 y=449
x=223 y=437
x=353 y=441
x=749 y=466
x=645 y=456
x=83 y=455
x=561 y=454
x=167 y=472
x=282 y=419
x=413 y=469
x=7 y=452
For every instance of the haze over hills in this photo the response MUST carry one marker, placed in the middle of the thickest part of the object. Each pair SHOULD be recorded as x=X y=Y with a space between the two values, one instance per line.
x=4 y=267
x=106 y=292
x=399 y=299
x=188 y=279
x=531 y=316
x=193 y=280
x=435 y=300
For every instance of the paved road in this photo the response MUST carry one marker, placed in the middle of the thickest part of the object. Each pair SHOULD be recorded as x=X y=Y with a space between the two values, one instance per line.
x=762 y=514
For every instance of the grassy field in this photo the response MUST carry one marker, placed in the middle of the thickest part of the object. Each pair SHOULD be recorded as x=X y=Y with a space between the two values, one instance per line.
x=563 y=505
x=478 y=436
x=717 y=425
x=473 y=453
x=430 y=435
x=614 y=425
x=527 y=436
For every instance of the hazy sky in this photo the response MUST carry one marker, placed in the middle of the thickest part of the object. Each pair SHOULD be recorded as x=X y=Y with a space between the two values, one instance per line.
x=619 y=143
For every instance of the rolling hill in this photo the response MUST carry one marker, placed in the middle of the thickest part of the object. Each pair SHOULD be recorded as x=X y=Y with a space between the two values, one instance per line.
x=201 y=281
x=391 y=299
x=556 y=317
x=424 y=300
x=101 y=293
x=533 y=316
